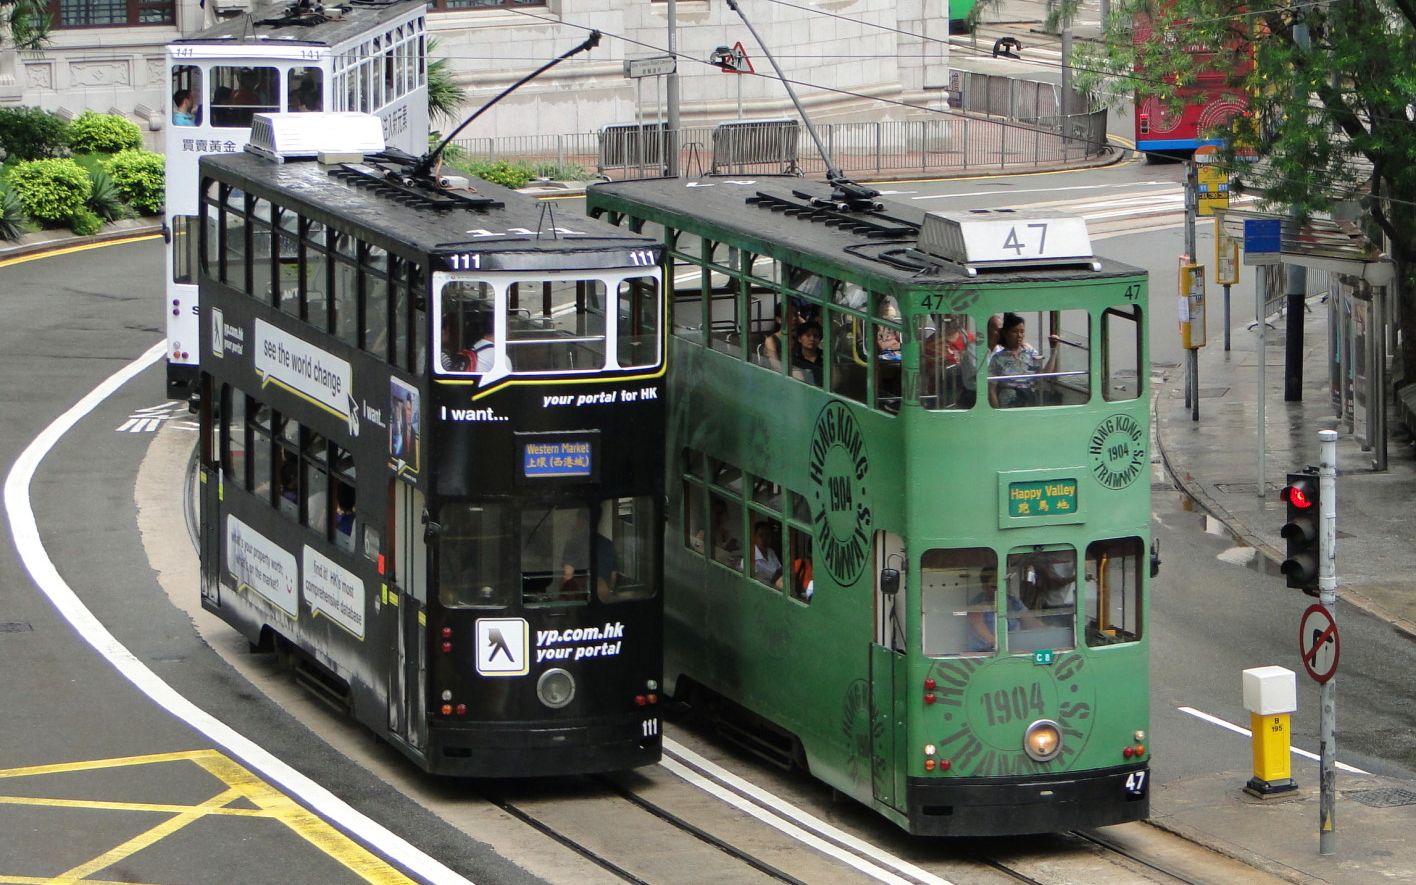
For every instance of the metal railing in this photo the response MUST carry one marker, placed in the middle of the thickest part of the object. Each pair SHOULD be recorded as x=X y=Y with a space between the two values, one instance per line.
x=943 y=143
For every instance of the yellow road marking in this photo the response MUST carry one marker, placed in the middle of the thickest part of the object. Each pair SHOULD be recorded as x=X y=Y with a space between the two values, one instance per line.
x=68 y=250
x=151 y=837
x=239 y=782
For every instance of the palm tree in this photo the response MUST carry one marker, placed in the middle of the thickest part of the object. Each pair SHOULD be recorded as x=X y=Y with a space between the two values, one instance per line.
x=445 y=97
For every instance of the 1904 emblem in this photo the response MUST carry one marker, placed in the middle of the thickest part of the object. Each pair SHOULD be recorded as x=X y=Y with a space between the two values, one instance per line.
x=839 y=469
x=1118 y=451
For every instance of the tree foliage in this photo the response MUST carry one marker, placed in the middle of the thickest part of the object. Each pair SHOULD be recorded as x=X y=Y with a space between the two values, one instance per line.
x=1330 y=87
x=445 y=96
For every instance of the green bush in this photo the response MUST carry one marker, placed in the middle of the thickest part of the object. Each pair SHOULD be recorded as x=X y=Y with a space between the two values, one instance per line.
x=32 y=134
x=12 y=216
x=104 y=199
x=562 y=172
x=105 y=133
x=85 y=223
x=139 y=176
x=51 y=190
x=512 y=175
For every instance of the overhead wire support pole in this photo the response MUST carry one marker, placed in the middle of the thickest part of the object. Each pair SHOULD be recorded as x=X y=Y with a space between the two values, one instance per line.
x=1327 y=595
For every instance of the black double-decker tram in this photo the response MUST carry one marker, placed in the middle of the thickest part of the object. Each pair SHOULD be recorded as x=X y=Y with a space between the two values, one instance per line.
x=431 y=464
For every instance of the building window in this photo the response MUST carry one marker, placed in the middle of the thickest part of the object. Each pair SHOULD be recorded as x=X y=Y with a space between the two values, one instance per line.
x=111 y=13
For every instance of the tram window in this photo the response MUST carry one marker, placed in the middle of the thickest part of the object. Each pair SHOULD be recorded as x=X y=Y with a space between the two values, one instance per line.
x=304 y=89
x=638 y=316
x=725 y=475
x=233 y=219
x=948 y=365
x=801 y=509
x=851 y=348
x=420 y=323
x=315 y=479
x=767 y=566
x=287 y=463
x=693 y=505
x=472 y=544
x=184 y=249
x=285 y=291
x=555 y=547
x=556 y=325
x=725 y=531
x=688 y=296
x=468 y=311
x=889 y=344
x=725 y=322
x=1113 y=603
x=258 y=425
x=1121 y=353
x=623 y=549
x=399 y=331
x=1044 y=581
x=346 y=300
x=766 y=493
x=345 y=524
x=316 y=268
x=262 y=258
x=376 y=314
x=1020 y=374
x=239 y=93
x=186 y=95
x=800 y=572
x=959 y=600
x=234 y=454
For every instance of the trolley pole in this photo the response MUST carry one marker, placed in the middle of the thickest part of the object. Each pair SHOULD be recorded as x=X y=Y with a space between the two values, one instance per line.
x=1327 y=596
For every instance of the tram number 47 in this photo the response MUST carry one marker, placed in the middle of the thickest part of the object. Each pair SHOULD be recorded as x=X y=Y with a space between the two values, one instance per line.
x=1136 y=783
x=1017 y=245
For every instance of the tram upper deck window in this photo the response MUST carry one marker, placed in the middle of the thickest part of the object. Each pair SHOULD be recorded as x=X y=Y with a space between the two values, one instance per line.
x=638 y=317
x=1113 y=602
x=1041 y=587
x=949 y=359
x=1121 y=353
x=472 y=543
x=304 y=89
x=959 y=598
x=467 y=323
x=186 y=95
x=556 y=325
x=1022 y=375
x=239 y=93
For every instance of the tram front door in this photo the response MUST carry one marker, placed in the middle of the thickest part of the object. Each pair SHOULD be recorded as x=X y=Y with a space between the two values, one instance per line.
x=408 y=595
x=887 y=673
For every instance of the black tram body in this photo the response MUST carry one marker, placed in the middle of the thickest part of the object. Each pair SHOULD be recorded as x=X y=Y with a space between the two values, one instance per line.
x=441 y=613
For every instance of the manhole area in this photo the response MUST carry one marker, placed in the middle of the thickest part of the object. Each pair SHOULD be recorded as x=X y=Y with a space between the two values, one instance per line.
x=15 y=627
x=1392 y=797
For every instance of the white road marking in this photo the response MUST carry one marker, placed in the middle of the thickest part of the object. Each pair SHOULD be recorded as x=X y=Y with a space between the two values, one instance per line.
x=46 y=576
x=1228 y=726
x=786 y=817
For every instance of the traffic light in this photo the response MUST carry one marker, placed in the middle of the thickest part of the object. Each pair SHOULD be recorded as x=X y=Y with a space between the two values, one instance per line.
x=1301 y=532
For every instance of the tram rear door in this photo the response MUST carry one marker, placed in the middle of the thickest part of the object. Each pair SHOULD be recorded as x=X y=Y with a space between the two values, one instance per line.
x=887 y=671
x=409 y=592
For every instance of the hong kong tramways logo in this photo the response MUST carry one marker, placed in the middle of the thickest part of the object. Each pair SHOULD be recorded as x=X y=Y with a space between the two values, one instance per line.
x=1118 y=451
x=839 y=470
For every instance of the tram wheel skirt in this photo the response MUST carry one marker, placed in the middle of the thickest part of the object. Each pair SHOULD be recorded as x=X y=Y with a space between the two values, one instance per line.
x=1019 y=806
x=539 y=752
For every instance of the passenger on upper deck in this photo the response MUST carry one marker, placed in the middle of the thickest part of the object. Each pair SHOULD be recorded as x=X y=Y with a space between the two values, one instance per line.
x=1013 y=364
x=806 y=353
x=247 y=89
x=982 y=615
x=948 y=366
x=766 y=564
x=344 y=517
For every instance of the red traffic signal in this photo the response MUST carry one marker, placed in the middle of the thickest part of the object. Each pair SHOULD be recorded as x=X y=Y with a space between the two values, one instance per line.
x=1300 y=565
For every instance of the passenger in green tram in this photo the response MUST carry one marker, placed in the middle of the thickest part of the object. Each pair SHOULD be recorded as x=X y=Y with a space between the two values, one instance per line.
x=766 y=564
x=806 y=353
x=1013 y=365
x=982 y=612
x=948 y=365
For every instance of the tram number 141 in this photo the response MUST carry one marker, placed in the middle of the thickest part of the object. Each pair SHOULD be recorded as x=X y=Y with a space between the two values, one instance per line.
x=1136 y=783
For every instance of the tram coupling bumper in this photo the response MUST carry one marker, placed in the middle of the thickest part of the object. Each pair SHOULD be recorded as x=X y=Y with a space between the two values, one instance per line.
x=1021 y=805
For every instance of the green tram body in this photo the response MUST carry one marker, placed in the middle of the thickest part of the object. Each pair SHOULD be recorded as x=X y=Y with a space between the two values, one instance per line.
x=441 y=616
x=874 y=482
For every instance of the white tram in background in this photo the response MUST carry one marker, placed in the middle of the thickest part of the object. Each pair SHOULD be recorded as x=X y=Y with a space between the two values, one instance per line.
x=368 y=56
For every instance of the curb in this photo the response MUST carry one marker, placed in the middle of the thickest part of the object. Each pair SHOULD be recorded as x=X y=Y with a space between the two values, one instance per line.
x=25 y=250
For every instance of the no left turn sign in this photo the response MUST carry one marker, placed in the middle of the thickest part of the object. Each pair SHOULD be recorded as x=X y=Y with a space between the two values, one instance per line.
x=1318 y=643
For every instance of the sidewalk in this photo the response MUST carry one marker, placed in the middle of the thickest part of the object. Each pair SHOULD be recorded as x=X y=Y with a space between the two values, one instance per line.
x=1214 y=461
x=46 y=241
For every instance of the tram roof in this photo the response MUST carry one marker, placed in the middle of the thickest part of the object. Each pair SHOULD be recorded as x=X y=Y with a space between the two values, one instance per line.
x=309 y=186
x=722 y=202
x=266 y=26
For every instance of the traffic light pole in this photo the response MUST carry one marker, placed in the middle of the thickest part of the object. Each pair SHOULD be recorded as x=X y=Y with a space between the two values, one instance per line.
x=1327 y=595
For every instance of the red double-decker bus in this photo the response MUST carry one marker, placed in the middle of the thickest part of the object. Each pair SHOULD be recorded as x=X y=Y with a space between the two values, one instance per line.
x=1164 y=129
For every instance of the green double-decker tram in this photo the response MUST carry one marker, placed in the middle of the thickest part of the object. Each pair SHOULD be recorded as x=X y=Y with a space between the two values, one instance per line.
x=909 y=502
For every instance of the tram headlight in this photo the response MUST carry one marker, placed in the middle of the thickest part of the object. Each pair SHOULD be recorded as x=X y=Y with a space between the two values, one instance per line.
x=1043 y=740
x=555 y=688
